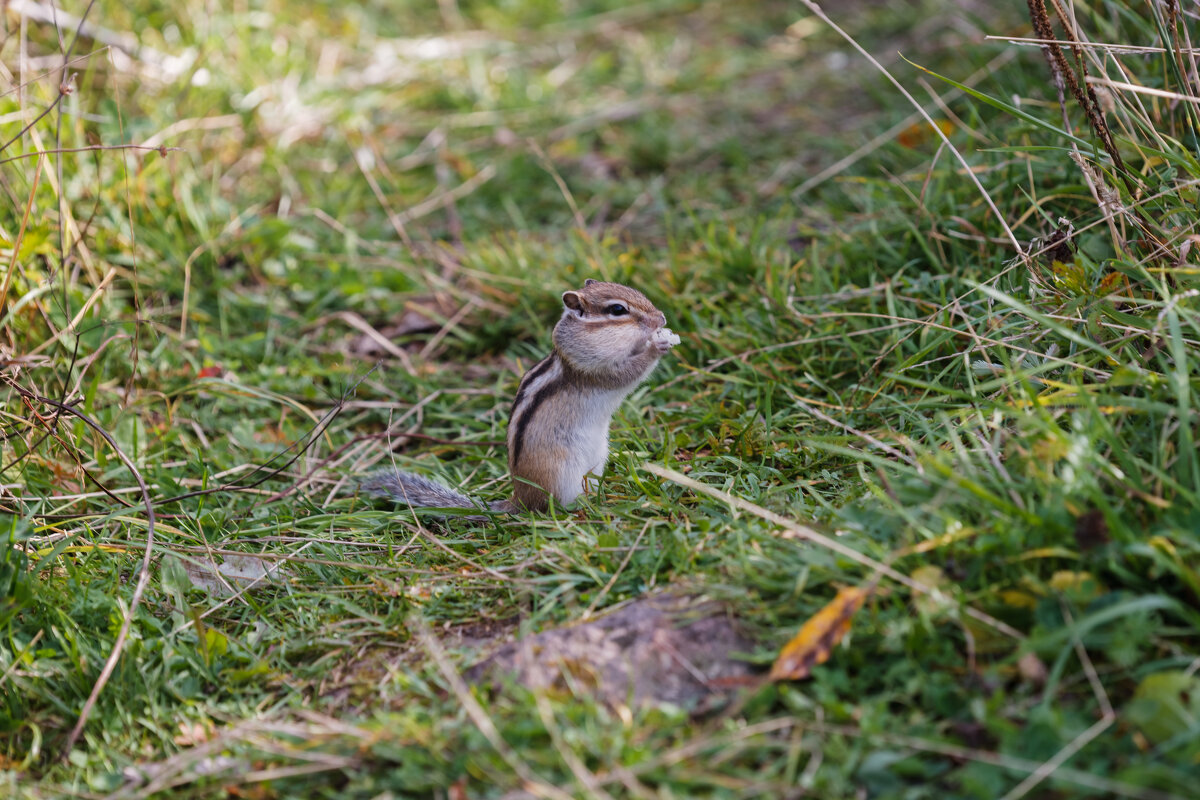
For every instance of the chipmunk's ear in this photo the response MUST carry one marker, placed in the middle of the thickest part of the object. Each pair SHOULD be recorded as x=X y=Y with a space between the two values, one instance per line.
x=571 y=300
x=590 y=281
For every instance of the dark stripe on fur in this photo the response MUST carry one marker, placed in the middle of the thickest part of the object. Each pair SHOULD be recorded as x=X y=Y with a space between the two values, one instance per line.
x=543 y=394
x=532 y=375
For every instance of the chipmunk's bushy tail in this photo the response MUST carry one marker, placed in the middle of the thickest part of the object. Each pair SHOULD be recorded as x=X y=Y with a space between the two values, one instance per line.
x=408 y=489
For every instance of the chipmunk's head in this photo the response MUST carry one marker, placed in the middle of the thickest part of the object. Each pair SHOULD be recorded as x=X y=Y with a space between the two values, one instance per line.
x=606 y=326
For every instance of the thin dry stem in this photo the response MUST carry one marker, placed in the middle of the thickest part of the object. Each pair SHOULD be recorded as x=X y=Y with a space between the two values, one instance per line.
x=770 y=185
x=599 y=598
x=396 y=221
x=805 y=532
x=16 y=246
x=478 y=715
x=866 y=437
x=1047 y=769
x=987 y=198
x=1077 y=777
x=1108 y=716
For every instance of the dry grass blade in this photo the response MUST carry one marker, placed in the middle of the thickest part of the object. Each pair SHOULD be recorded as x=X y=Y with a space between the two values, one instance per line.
x=769 y=186
x=987 y=198
x=74 y=324
x=448 y=197
x=805 y=532
x=1115 y=49
x=1047 y=769
x=478 y=716
x=589 y=782
x=16 y=246
x=633 y=548
x=976 y=338
x=1075 y=776
x=480 y=568
x=866 y=437
x=1079 y=742
x=1147 y=90
x=365 y=167
x=358 y=323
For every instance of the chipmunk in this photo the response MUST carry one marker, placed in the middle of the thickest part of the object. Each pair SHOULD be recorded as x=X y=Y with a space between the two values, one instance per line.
x=607 y=341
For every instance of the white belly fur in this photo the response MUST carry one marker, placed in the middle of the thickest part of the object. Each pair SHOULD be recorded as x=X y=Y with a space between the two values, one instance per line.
x=588 y=447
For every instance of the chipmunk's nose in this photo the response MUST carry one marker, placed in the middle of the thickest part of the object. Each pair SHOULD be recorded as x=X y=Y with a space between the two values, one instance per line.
x=662 y=319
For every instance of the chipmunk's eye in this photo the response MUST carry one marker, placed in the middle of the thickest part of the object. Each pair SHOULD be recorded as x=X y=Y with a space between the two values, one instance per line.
x=616 y=310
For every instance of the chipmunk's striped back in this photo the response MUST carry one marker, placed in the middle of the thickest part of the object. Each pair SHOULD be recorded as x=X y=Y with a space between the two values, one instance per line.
x=540 y=383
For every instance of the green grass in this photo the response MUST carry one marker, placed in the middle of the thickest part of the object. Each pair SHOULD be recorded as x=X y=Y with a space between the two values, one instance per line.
x=868 y=356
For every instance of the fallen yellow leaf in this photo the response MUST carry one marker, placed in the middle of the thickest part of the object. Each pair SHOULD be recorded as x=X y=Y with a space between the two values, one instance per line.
x=817 y=637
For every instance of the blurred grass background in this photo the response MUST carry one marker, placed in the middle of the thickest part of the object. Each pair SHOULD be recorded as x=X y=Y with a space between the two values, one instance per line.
x=272 y=246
